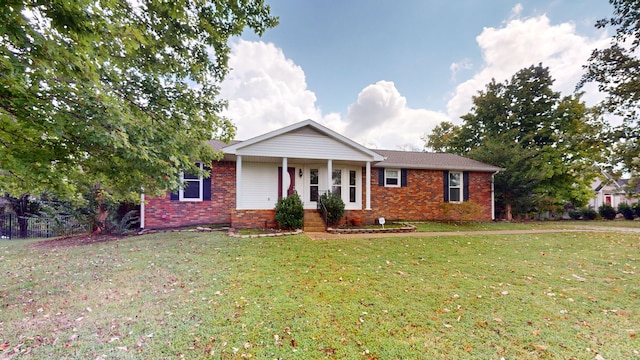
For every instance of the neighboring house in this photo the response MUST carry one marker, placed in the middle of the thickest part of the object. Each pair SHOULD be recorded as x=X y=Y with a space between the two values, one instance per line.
x=608 y=190
x=311 y=159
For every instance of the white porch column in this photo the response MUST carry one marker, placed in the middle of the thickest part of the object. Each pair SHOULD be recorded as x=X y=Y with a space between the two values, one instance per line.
x=238 y=180
x=368 y=186
x=285 y=175
x=329 y=175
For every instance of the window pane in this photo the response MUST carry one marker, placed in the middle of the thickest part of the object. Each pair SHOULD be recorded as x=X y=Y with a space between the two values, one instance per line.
x=391 y=174
x=352 y=177
x=337 y=190
x=336 y=177
x=313 y=193
x=352 y=194
x=454 y=179
x=191 y=190
x=190 y=176
x=314 y=177
x=392 y=181
x=454 y=194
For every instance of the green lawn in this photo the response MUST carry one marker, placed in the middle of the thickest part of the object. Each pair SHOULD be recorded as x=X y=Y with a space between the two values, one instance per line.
x=446 y=226
x=206 y=295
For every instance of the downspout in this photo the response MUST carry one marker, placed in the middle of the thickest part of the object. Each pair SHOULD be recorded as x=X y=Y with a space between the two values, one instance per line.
x=142 y=209
x=493 y=197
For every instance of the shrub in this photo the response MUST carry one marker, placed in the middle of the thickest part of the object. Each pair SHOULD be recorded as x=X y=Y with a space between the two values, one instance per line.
x=290 y=212
x=335 y=207
x=626 y=210
x=588 y=214
x=636 y=208
x=607 y=211
x=467 y=210
x=575 y=214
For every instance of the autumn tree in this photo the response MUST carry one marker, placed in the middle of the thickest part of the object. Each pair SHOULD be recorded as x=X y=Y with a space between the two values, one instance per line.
x=546 y=143
x=113 y=95
x=616 y=70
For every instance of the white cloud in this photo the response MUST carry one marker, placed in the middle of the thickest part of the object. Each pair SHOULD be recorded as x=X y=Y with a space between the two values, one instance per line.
x=381 y=119
x=457 y=66
x=265 y=90
x=521 y=43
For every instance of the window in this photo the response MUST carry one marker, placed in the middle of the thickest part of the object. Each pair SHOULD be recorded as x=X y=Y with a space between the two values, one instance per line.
x=313 y=187
x=336 y=182
x=192 y=190
x=455 y=187
x=392 y=177
x=352 y=186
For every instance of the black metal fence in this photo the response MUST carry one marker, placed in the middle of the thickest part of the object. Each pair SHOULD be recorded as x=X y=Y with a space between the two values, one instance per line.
x=14 y=227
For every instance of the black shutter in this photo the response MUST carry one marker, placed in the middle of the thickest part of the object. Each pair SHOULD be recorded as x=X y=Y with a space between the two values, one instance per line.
x=445 y=178
x=403 y=177
x=380 y=176
x=206 y=185
x=465 y=184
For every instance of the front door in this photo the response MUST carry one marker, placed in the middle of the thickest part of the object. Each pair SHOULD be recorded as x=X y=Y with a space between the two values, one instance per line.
x=291 y=181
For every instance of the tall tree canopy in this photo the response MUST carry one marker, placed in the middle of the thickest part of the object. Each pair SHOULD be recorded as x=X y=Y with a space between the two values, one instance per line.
x=547 y=144
x=616 y=70
x=119 y=94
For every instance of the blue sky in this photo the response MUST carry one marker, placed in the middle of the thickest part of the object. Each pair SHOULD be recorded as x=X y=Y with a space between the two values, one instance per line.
x=385 y=72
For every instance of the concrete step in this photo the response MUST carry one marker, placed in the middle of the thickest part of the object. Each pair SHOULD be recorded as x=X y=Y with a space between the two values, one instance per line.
x=313 y=222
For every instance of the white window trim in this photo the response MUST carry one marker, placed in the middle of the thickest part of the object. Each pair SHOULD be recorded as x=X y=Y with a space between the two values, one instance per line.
x=200 y=183
x=460 y=187
x=387 y=177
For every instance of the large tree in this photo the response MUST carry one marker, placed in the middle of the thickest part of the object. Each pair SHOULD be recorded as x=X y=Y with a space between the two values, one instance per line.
x=616 y=70
x=113 y=95
x=547 y=144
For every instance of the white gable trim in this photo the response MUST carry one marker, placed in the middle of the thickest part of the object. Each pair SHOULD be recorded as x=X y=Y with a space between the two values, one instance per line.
x=236 y=149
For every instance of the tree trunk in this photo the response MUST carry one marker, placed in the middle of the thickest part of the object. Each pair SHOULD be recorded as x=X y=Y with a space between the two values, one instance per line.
x=101 y=220
x=507 y=209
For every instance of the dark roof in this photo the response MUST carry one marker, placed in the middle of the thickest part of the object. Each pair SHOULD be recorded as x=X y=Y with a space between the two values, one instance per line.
x=217 y=145
x=430 y=160
x=410 y=159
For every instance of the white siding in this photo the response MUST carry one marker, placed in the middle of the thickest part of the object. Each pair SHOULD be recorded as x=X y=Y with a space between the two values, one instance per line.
x=259 y=186
x=304 y=145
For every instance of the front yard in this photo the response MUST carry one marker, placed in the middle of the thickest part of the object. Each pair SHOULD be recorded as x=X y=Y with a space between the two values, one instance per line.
x=206 y=295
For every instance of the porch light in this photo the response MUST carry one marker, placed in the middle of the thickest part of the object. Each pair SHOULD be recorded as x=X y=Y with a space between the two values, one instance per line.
x=300 y=172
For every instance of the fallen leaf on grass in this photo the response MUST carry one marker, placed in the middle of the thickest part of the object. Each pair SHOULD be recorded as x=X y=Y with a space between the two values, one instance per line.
x=539 y=347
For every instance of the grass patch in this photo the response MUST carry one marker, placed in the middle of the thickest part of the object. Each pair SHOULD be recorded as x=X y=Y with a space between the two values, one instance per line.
x=449 y=226
x=206 y=295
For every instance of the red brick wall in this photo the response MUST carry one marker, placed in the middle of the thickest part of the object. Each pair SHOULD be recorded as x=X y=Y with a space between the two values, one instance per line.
x=422 y=198
x=162 y=212
x=253 y=219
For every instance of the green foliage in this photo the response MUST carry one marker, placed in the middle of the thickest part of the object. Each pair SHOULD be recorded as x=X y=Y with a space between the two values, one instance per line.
x=546 y=143
x=616 y=70
x=588 y=214
x=626 y=211
x=290 y=212
x=582 y=213
x=636 y=208
x=607 y=212
x=335 y=207
x=120 y=94
x=575 y=214
x=439 y=140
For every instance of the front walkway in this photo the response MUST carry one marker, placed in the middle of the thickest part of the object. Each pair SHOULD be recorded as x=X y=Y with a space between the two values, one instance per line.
x=328 y=236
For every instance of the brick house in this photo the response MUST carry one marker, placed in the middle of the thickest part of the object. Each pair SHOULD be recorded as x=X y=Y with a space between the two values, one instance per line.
x=311 y=159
